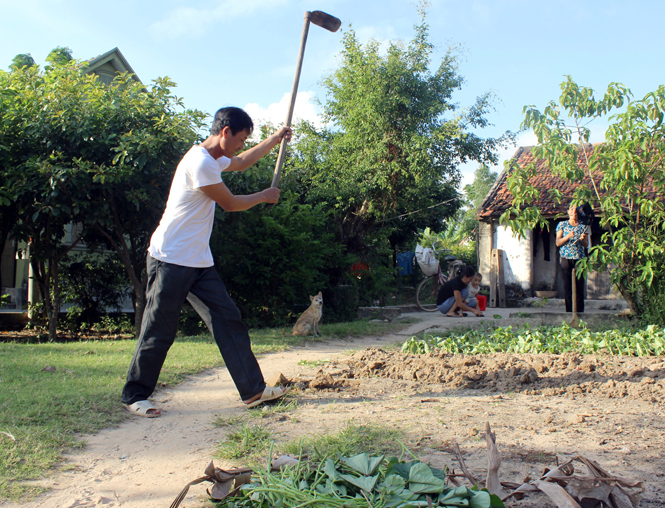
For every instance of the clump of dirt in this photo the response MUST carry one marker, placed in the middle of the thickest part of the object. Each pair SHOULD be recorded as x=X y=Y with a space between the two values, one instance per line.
x=530 y=374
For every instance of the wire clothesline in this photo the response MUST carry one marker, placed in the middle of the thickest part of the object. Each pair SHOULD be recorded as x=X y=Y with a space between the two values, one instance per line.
x=420 y=210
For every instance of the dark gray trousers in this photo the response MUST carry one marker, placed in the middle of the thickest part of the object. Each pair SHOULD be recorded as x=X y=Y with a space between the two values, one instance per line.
x=567 y=266
x=168 y=287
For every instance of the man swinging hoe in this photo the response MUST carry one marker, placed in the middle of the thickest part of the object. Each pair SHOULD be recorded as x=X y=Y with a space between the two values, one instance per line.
x=180 y=264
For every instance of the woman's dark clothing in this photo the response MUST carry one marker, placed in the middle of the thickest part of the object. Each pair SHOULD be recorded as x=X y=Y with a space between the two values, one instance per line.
x=567 y=266
x=448 y=290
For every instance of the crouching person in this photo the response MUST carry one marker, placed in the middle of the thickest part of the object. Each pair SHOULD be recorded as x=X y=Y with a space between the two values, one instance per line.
x=450 y=300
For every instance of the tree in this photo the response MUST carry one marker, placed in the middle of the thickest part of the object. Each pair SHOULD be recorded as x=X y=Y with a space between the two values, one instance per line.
x=627 y=182
x=272 y=261
x=483 y=179
x=394 y=143
x=75 y=150
x=59 y=56
x=459 y=234
x=22 y=60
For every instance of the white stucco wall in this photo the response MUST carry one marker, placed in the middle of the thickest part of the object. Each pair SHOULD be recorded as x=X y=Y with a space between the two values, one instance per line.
x=517 y=256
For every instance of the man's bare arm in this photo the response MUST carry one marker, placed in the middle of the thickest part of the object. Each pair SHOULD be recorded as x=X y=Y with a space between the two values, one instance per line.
x=229 y=202
x=250 y=157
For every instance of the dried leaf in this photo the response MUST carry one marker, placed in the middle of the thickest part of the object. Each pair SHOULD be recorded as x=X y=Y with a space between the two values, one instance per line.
x=284 y=461
x=221 y=490
x=556 y=493
x=210 y=470
x=492 y=484
x=589 y=489
x=621 y=499
x=520 y=491
x=48 y=368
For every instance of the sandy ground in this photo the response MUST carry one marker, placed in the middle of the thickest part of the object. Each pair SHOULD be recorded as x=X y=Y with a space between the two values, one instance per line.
x=146 y=462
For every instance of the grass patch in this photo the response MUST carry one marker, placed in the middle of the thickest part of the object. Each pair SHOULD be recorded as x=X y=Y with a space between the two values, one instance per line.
x=350 y=440
x=246 y=441
x=313 y=363
x=287 y=404
x=45 y=411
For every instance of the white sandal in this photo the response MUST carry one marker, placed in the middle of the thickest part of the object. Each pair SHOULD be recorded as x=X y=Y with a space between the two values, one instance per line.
x=141 y=408
x=269 y=393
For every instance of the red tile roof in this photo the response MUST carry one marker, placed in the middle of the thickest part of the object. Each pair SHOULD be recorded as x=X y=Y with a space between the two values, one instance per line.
x=498 y=199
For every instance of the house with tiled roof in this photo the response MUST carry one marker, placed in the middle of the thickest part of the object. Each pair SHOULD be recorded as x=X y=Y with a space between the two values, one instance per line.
x=531 y=263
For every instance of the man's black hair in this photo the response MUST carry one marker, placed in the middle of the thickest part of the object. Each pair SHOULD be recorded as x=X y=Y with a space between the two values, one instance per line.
x=467 y=271
x=234 y=118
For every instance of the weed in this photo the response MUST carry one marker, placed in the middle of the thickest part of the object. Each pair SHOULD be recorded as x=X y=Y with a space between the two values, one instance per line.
x=378 y=439
x=286 y=404
x=246 y=441
x=313 y=363
x=229 y=421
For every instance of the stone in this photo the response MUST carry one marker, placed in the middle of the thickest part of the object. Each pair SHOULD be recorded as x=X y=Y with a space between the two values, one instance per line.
x=277 y=379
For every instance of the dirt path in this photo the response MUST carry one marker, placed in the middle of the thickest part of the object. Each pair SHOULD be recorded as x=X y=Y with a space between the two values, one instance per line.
x=145 y=462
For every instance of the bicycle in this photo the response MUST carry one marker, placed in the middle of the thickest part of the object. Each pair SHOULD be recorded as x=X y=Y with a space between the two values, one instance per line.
x=428 y=289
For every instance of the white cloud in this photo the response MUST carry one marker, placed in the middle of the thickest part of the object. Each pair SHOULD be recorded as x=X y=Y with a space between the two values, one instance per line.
x=196 y=22
x=384 y=35
x=305 y=109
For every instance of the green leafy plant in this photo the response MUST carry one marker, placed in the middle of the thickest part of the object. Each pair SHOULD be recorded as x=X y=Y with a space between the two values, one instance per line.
x=428 y=238
x=649 y=341
x=360 y=481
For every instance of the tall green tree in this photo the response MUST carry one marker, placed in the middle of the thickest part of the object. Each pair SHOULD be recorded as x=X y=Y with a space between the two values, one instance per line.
x=76 y=150
x=394 y=140
x=459 y=233
x=22 y=60
x=627 y=182
x=59 y=56
x=476 y=191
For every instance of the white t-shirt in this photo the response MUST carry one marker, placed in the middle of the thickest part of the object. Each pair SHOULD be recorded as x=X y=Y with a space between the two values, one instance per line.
x=473 y=292
x=183 y=235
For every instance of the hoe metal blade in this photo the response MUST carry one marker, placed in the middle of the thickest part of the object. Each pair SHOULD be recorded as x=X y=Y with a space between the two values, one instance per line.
x=320 y=18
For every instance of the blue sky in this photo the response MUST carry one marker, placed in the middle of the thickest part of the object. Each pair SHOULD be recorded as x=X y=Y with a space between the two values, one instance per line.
x=243 y=52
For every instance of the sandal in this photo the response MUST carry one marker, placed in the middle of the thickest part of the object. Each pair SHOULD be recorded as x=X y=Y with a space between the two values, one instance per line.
x=141 y=408
x=268 y=394
x=454 y=314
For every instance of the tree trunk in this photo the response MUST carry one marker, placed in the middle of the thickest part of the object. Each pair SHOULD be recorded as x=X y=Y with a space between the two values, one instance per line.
x=628 y=296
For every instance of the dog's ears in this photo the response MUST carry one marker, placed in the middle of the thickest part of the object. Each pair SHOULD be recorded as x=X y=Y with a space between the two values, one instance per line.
x=320 y=294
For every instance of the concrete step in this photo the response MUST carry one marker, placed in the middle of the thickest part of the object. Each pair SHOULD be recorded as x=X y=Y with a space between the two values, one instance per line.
x=558 y=303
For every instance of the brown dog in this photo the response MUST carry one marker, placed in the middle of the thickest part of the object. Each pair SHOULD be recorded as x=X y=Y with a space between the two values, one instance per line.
x=310 y=319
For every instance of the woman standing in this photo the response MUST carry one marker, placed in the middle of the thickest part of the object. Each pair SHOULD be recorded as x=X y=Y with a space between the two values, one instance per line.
x=572 y=239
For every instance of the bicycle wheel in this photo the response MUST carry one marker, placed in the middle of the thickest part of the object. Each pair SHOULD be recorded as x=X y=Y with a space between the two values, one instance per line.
x=427 y=292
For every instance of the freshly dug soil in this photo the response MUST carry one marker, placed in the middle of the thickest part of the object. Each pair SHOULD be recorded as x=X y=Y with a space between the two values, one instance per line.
x=531 y=374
